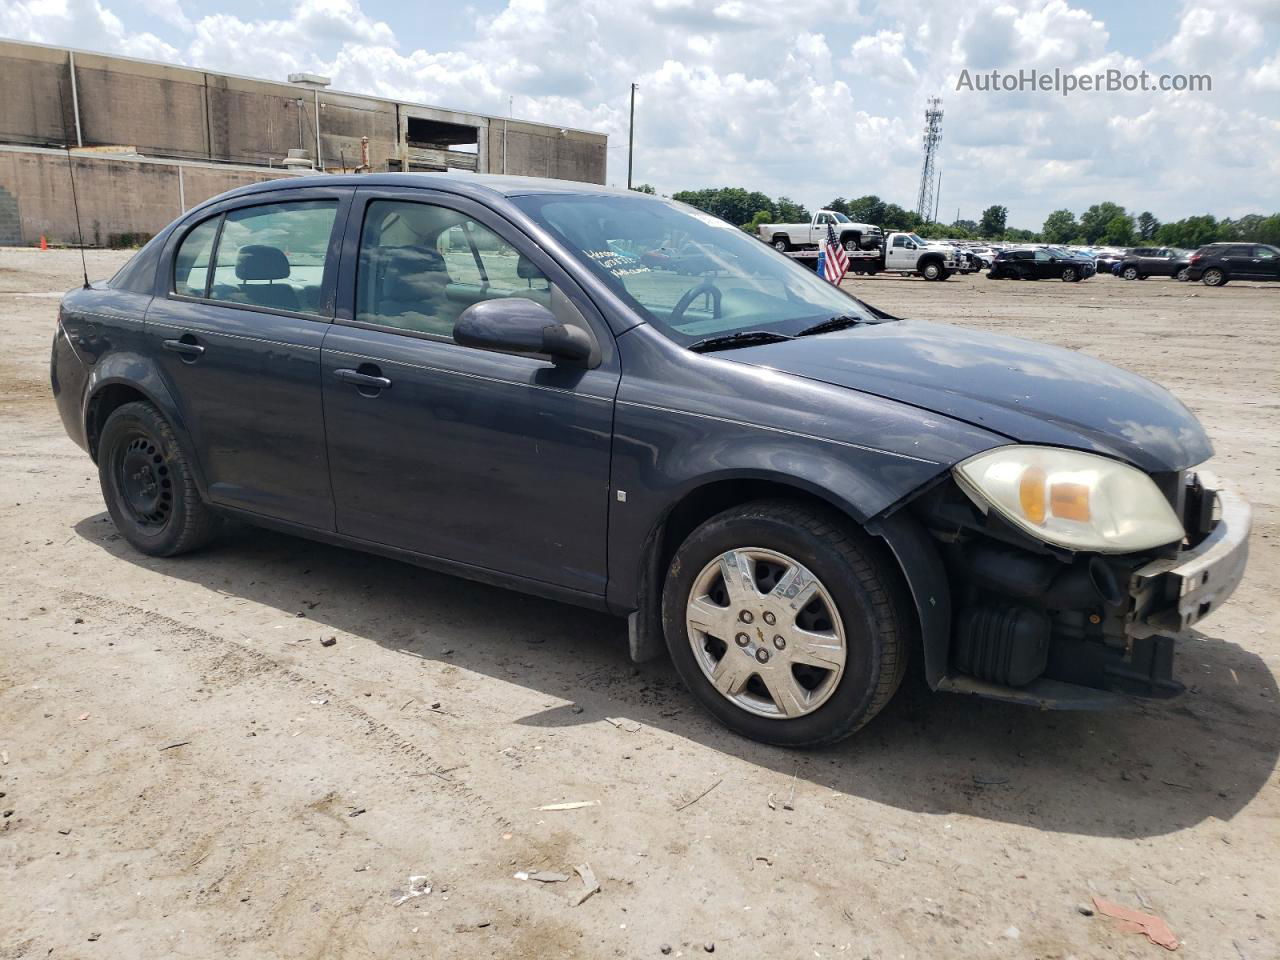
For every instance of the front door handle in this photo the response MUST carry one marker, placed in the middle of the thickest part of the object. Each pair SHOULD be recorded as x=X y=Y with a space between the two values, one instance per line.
x=369 y=381
x=187 y=346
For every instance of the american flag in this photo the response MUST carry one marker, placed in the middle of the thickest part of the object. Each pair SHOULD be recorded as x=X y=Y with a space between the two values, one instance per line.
x=835 y=262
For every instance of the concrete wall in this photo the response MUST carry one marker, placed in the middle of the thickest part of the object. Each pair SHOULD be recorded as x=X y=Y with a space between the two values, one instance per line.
x=180 y=112
x=117 y=196
x=535 y=150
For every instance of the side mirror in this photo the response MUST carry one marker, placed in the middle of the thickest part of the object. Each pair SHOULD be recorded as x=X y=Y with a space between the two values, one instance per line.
x=519 y=325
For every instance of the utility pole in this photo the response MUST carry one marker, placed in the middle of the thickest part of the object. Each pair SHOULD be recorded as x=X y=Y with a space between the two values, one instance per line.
x=631 y=135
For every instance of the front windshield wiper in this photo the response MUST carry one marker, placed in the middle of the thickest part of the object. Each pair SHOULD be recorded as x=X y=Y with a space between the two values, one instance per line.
x=743 y=338
x=839 y=322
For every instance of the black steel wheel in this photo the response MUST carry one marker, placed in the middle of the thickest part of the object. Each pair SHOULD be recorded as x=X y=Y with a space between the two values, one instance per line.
x=148 y=485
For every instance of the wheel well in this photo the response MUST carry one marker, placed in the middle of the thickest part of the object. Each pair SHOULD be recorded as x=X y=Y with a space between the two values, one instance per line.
x=781 y=236
x=104 y=403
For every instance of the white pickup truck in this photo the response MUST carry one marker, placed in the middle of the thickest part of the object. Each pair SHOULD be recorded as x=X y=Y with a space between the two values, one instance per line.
x=910 y=254
x=785 y=237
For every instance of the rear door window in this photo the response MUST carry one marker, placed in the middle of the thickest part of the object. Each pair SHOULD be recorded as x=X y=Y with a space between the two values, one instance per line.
x=191 y=265
x=273 y=256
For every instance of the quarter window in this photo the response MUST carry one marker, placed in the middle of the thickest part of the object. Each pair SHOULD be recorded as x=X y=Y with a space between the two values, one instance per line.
x=1264 y=253
x=274 y=255
x=421 y=265
x=191 y=265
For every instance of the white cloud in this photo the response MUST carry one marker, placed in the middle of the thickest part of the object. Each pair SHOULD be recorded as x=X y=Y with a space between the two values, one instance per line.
x=743 y=92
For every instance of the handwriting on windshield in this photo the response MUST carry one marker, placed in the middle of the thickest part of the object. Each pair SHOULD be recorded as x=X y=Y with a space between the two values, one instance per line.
x=619 y=264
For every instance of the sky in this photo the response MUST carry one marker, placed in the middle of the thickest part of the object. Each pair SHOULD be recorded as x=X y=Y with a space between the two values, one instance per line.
x=809 y=99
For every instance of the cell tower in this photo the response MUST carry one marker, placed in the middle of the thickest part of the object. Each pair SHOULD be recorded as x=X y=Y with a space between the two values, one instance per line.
x=932 y=134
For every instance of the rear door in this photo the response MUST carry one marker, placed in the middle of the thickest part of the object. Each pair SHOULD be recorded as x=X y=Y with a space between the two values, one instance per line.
x=250 y=293
x=1238 y=260
x=498 y=461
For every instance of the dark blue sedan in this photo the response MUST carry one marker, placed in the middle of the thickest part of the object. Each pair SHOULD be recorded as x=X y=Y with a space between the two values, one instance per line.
x=791 y=492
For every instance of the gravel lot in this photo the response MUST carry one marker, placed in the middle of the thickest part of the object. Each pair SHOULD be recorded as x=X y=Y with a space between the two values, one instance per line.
x=187 y=772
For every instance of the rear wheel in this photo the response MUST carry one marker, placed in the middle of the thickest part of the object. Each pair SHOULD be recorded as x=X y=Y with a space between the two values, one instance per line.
x=788 y=624
x=1213 y=277
x=781 y=244
x=148 y=485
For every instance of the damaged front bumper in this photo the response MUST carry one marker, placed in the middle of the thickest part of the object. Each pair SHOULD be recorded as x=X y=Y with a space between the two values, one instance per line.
x=1061 y=649
x=1172 y=595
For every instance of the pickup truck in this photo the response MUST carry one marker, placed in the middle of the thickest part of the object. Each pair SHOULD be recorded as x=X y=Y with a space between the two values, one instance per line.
x=785 y=237
x=909 y=254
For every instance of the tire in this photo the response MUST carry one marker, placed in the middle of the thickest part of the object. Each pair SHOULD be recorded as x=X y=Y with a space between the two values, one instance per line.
x=1131 y=273
x=1069 y=275
x=851 y=244
x=148 y=485
x=932 y=270
x=781 y=244
x=1181 y=275
x=946 y=275
x=859 y=602
x=1213 y=277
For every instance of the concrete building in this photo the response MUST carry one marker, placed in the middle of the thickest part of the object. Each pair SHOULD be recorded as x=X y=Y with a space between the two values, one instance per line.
x=149 y=140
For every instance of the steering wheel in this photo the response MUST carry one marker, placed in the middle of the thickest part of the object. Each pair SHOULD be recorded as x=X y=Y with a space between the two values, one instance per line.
x=706 y=286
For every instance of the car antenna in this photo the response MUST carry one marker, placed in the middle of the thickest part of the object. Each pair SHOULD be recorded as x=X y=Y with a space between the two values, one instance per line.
x=71 y=172
x=75 y=203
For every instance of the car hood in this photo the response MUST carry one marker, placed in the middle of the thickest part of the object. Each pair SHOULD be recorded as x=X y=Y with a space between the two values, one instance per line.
x=1027 y=391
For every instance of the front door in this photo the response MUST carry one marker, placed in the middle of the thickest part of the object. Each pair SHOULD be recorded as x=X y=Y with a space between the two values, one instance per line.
x=237 y=339
x=498 y=461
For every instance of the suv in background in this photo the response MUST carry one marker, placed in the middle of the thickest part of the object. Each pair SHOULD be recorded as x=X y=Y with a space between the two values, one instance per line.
x=1216 y=263
x=1143 y=262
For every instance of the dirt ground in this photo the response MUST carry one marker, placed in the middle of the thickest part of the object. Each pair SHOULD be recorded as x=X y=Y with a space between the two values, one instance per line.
x=187 y=772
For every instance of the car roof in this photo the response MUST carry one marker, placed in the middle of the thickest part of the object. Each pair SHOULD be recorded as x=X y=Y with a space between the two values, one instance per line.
x=470 y=184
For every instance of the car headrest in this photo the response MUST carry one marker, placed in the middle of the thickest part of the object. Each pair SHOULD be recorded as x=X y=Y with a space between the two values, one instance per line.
x=414 y=273
x=259 y=262
x=527 y=270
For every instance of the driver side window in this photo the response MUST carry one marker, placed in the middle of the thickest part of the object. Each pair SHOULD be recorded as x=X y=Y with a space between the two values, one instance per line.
x=421 y=265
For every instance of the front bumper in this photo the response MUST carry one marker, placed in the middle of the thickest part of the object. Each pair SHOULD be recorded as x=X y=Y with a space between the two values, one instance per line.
x=1172 y=595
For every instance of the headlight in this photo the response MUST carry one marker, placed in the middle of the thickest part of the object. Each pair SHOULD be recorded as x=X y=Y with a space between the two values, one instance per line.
x=1075 y=500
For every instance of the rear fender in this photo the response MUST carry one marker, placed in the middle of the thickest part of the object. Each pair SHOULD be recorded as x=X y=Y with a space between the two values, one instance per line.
x=139 y=373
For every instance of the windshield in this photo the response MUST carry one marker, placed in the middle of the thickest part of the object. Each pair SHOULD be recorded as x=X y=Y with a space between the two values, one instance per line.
x=691 y=275
x=915 y=238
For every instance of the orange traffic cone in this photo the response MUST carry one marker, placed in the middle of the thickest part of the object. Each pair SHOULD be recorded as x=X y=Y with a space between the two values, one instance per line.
x=44 y=244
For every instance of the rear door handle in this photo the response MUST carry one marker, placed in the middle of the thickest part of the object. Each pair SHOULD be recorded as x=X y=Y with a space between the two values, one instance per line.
x=366 y=380
x=186 y=346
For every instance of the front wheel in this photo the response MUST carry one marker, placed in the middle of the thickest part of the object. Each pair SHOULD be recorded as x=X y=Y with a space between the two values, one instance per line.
x=1130 y=273
x=1182 y=275
x=1069 y=275
x=932 y=270
x=1213 y=277
x=787 y=624
x=148 y=485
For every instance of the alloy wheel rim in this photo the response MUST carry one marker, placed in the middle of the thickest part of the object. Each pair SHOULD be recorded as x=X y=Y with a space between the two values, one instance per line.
x=766 y=633
x=144 y=482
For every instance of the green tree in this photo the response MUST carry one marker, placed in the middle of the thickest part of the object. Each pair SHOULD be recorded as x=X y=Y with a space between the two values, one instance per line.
x=788 y=211
x=1060 y=227
x=1190 y=232
x=730 y=203
x=1094 y=221
x=1022 y=236
x=839 y=205
x=868 y=209
x=896 y=218
x=968 y=226
x=994 y=220
x=1119 y=232
x=762 y=216
x=1147 y=225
